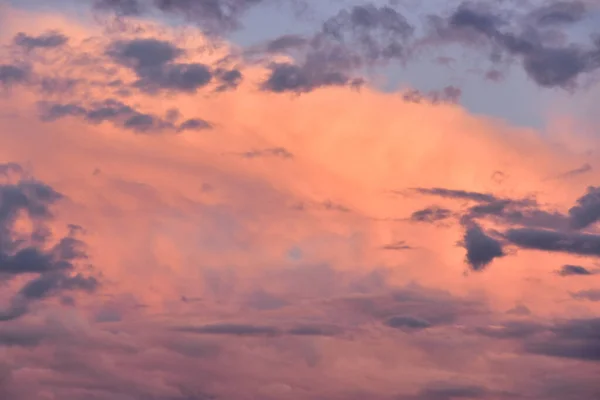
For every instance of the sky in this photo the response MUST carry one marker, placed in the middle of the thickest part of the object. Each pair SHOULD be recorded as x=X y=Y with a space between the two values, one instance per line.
x=292 y=199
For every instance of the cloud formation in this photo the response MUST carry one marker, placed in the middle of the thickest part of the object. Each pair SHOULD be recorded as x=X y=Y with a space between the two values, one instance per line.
x=175 y=225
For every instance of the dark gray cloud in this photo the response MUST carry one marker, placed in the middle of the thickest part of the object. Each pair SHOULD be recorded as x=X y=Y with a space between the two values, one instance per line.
x=52 y=283
x=194 y=124
x=523 y=212
x=575 y=339
x=313 y=74
x=573 y=270
x=481 y=248
x=431 y=214
x=434 y=307
x=13 y=74
x=591 y=295
x=232 y=329
x=228 y=79
x=120 y=114
x=555 y=241
x=577 y=171
x=177 y=77
x=153 y=61
x=379 y=32
x=400 y=245
x=314 y=330
x=140 y=54
x=519 y=212
x=587 y=210
x=278 y=152
x=458 y=194
x=449 y=94
x=404 y=322
x=356 y=37
x=286 y=42
x=261 y=330
x=55 y=265
x=546 y=65
x=44 y=41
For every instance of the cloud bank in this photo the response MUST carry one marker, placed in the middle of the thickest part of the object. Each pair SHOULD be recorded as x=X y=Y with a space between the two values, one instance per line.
x=184 y=219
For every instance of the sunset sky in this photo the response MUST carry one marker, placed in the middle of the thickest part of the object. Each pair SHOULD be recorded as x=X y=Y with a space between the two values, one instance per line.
x=299 y=200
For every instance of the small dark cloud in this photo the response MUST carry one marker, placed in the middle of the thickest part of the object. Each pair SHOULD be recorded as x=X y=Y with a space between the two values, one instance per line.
x=286 y=42
x=141 y=54
x=14 y=74
x=378 y=32
x=232 y=329
x=278 y=152
x=404 y=322
x=400 y=245
x=118 y=113
x=555 y=241
x=587 y=210
x=55 y=111
x=354 y=38
x=577 y=171
x=591 y=295
x=331 y=206
x=574 y=339
x=314 y=330
x=449 y=94
x=524 y=212
x=22 y=337
x=287 y=77
x=228 y=79
x=481 y=248
x=452 y=391
x=177 y=77
x=52 y=283
x=431 y=214
x=153 y=61
x=573 y=270
x=47 y=40
x=457 y=194
x=194 y=124
x=436 y=307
